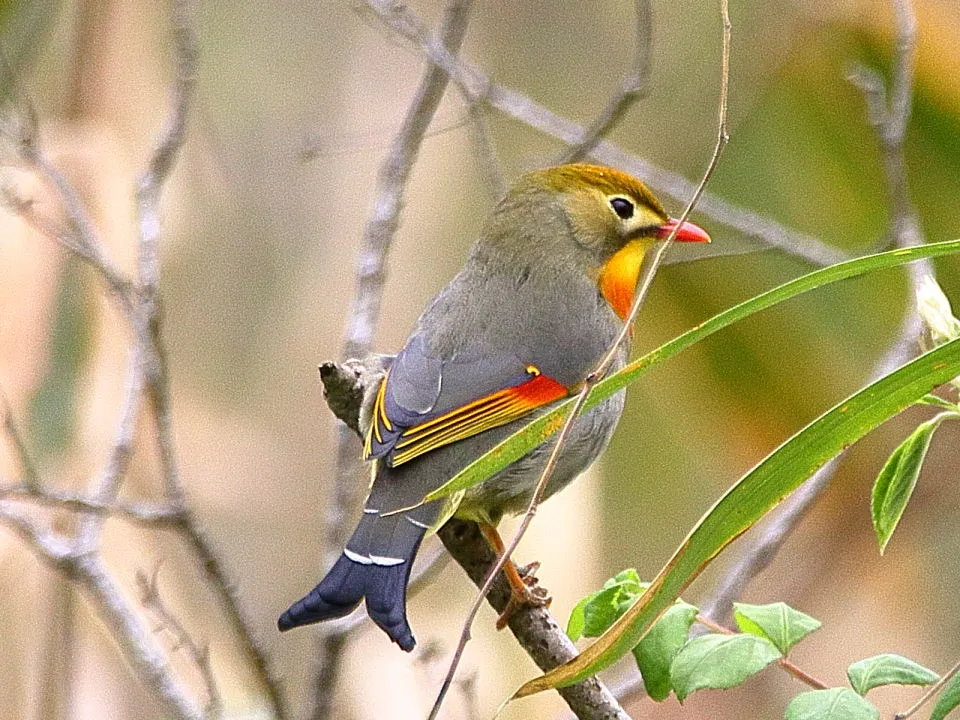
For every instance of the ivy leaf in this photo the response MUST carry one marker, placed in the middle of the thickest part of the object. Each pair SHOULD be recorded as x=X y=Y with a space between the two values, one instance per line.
x=833 y=704
x=948 y=700
x=898 y=478
x=777 y=622
x=887 y=669
x=719 y=661
x=655 y=653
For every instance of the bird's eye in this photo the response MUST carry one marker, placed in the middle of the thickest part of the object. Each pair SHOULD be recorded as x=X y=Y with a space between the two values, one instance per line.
x=622 y=207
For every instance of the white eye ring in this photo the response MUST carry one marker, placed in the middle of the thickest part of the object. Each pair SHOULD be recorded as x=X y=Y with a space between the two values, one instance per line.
x=623 y=207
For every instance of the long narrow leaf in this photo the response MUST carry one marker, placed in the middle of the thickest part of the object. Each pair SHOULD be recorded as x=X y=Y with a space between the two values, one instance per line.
x=779 y=474
x=524 y=440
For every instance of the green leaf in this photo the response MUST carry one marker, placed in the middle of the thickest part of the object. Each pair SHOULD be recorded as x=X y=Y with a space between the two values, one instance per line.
x=601 y=612
x=832 y=704
x=577 y=619
x=655 y=653
x=778 y=622
x=530 y=436
x=887 y=669
x=939 y=402
x=598 y=610
x=627 y=579
x=761 y=489
x=719 y=661
x=948 y=700
x=895 y=484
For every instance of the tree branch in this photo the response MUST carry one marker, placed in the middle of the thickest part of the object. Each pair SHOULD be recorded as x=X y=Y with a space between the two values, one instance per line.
x=370 y=278
x=475 y=86
x=632 y=89
x=890 y=122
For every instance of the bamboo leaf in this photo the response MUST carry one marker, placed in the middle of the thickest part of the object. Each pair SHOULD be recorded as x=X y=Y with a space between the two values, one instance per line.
x=530 y=436
x=778 y=475
x=894 y=485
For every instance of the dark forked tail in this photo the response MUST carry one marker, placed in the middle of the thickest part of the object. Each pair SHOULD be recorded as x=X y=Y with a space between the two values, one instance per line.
x=375 y=565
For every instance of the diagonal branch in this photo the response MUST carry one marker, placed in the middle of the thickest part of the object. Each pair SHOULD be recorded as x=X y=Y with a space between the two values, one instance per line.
x=368 y=293
x=889 y=119
x=633 y=88
x=475 y=86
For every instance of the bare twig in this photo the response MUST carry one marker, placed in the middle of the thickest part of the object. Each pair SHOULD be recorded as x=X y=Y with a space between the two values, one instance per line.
x=151 y=514
x=632 y=89
x=198 y=654
x=890 y=121
x=930 y=693
x=29 y=470
x=477 y=87
x=121 y=450
x=86 y=571
x=371 y=275
x=485 y=151
x=598 y=373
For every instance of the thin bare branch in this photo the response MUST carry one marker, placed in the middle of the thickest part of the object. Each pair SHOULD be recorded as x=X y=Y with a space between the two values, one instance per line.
x=370 y=278
x=613 y=353
x=121 y=451
x=476 y=86
x=199 y=654
x=82 y=243
x=29 y=470
x=889 y=119
x=632 y=89
x=86 y=570
x=930 y=693
x=139 y=647
x=150 y=514
x=485 y=151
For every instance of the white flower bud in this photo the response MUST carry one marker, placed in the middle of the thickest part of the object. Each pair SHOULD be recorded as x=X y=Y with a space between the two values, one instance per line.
x=934 y=309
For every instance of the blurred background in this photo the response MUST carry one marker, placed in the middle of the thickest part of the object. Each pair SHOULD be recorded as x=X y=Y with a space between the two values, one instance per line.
x=295 y=108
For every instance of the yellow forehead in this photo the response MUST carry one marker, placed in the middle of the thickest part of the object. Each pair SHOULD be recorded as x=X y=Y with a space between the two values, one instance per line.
x=602 y=180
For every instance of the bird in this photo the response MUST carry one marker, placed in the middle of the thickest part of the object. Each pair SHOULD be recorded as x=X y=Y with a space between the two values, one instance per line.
x=543 y=294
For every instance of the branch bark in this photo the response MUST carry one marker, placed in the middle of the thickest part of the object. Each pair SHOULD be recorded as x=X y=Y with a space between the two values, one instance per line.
x=535 y=628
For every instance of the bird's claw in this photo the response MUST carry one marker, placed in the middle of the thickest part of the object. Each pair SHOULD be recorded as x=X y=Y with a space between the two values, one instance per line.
x=527 y=593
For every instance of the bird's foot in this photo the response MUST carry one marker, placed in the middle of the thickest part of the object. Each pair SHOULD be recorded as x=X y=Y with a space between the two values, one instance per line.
x=525 y=591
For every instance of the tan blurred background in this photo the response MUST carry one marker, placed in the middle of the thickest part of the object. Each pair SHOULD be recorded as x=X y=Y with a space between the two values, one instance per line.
x=259 y=251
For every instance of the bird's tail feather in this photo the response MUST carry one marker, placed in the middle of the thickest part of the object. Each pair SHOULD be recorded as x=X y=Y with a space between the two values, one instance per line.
x=375 y=565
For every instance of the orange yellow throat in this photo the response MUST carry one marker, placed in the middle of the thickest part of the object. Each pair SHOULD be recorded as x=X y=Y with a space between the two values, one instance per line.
x=618 y=278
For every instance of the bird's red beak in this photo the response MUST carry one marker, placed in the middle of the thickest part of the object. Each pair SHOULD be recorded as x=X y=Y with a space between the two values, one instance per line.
x=688 y=232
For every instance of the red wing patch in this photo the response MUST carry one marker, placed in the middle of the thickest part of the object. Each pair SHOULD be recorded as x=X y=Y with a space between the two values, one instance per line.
x=498 y=408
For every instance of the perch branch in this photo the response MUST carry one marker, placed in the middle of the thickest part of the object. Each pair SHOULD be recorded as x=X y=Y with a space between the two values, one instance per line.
x=368 y=293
